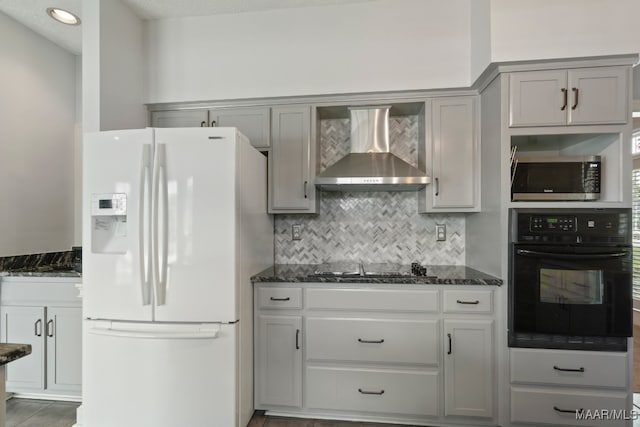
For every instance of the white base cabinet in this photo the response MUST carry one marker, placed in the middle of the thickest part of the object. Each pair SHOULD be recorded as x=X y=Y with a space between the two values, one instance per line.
x=376 y=352
x=47 y=314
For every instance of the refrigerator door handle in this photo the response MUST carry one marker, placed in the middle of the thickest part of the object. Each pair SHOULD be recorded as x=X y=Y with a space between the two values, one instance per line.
x=145 y=235
x=176 y=335
x=160 y=258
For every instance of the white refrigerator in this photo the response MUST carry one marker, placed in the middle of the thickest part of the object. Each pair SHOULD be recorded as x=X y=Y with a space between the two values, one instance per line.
x=174 y=224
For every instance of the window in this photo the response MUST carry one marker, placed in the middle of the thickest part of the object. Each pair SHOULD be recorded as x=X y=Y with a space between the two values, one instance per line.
x=635 y=200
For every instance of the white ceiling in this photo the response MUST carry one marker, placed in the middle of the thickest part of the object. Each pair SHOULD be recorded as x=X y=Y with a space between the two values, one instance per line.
x=32 y=13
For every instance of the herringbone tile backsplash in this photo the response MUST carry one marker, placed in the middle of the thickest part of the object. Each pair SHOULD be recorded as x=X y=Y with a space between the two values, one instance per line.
x=369 y=226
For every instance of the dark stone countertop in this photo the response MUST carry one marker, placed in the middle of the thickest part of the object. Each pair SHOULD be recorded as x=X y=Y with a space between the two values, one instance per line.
x=50 y=264
x=444 y=275
x=11 y=352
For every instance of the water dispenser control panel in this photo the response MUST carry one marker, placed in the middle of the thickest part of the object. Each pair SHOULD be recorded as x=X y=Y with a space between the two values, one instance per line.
x=109 y=223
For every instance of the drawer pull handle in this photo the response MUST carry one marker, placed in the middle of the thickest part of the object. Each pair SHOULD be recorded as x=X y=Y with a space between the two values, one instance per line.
x=476 y=302
x=568 y=411
x=581 y=369
x=279 y=299
x=297 y=339
x=370 y=341
x=379 y=393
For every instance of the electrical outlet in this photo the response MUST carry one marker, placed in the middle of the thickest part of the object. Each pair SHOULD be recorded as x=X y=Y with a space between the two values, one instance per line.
x=441 y=232
x=296 y=230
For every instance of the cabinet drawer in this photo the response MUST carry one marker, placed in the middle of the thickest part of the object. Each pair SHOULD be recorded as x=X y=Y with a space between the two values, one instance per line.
x=383 y=391
x=280 y=298
x=566 y=367
x=546 y=406
x=373 y=299
x=372 y=340
x=468 y=301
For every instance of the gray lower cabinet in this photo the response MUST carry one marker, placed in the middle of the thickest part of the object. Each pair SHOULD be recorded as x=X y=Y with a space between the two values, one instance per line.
x=278 y=347
x=468 y=367
x=292 y=161
x=48 y=315
x=420 y=355
x=549 y=387
x=279 y=361
x=581 y=96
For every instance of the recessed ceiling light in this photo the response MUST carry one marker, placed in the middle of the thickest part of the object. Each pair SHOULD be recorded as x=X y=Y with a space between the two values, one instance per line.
x=63 y=16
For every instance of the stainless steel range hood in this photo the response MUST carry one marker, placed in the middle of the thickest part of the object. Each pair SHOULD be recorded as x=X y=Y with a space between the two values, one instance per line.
x=370 y=166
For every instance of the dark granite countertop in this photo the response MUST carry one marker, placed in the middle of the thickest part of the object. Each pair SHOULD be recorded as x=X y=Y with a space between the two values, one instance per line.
x=50 y=264
x=445 y=275
x=11 y=352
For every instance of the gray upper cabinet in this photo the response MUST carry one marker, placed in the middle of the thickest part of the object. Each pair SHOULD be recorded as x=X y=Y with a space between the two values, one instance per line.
x=253 y=122
x=292 y=155
x=452 y=147
x=583 y=96
x=179 y=118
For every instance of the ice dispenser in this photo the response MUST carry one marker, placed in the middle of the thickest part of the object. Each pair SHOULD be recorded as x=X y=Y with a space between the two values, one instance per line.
x=109 y=223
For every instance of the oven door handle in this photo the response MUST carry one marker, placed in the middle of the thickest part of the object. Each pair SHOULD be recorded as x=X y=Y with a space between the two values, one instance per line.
x=537 y=254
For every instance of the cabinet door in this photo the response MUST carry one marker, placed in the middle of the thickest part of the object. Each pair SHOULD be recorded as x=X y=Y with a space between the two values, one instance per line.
x=291 y=188
x=64 y=348
x=179 y=118
x=252 y=122
x=598 y=96
x=538 y=98
x=454 y=155
x=279 y=361
x=25 y=325
x=468 y=367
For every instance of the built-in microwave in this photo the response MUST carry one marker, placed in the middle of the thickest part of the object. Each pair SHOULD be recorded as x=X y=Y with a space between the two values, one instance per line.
x=556 y=178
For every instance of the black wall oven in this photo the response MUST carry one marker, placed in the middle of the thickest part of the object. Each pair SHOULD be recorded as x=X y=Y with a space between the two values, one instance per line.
x=570 y=279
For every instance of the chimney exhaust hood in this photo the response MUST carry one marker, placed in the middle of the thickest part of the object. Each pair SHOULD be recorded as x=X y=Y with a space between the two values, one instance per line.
x=370 y=166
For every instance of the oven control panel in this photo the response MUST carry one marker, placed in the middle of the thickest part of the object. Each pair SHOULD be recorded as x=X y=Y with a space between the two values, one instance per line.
x=571 y=226
x=553 y=223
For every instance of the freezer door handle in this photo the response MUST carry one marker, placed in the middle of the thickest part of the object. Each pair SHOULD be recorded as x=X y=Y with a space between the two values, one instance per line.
x=160 y=228
x=144 y=238
x=174 y=335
